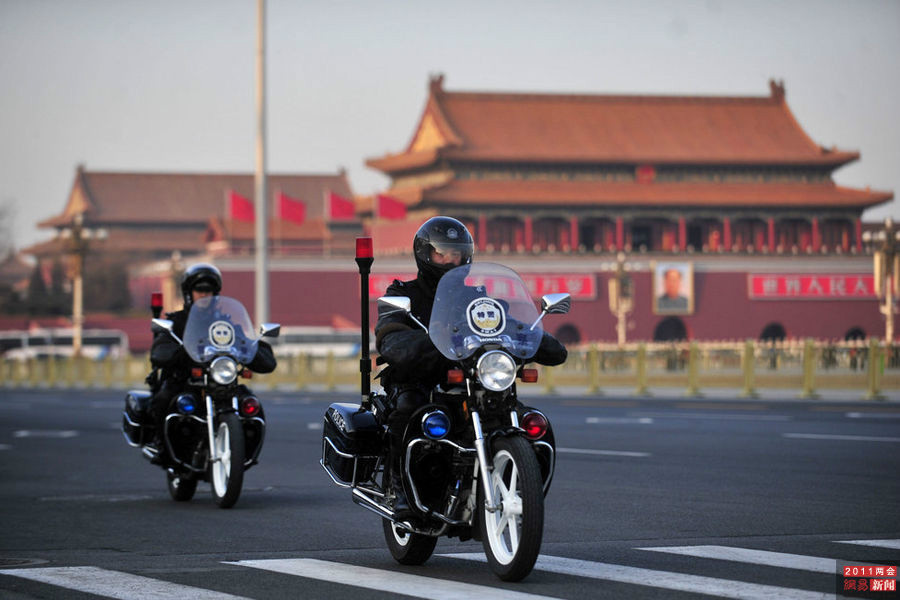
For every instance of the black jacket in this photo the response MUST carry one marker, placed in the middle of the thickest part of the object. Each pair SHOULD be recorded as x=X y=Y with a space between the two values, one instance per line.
x=408 y=350
x=170 y=356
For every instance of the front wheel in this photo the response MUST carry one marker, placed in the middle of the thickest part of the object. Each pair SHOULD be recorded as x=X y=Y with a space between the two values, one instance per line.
x=512 y=534
x=406 y=547
x=227 y=472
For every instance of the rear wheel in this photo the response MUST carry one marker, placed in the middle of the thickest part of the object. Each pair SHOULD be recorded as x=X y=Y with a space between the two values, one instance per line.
x=227 y=472
x=406 y=547
x=181 y=487
x=512 y=534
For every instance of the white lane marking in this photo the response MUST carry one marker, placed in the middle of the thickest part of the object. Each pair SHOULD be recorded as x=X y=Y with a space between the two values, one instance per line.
x=714 y=416
x=724 y=588
x=316 y=425
x=44 y=433
x=115 y=584
x=865 y=415
x=843 y=438
x=756 y=557
x=892 y=544
x=603 y=452
x=618 y=420
x=385 y=581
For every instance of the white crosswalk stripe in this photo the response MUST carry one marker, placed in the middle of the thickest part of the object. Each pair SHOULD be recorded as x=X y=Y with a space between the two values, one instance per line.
x=892 y=544
x=385 y=581
x=115 y=584
x=724 y=588
x=756 y=557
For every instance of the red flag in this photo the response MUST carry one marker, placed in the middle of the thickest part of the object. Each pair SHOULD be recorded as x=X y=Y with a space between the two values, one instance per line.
x=239 y=208
x=290 y=209
x=340 y=208
x=390 y=208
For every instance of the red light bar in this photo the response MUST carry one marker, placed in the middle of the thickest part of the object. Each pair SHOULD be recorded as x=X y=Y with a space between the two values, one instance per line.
x=364 y=247
x=156 y=300
x=529 y=375
x=455 y=376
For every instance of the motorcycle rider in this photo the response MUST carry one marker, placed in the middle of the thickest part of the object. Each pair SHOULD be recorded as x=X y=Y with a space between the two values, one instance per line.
x=169 y=358
x=415 y=365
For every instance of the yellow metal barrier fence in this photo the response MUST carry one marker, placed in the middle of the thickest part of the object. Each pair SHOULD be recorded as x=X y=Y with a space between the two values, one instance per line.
x=805 y=366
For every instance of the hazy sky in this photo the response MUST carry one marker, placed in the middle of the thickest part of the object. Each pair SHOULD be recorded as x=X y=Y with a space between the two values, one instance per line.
x=169 y=85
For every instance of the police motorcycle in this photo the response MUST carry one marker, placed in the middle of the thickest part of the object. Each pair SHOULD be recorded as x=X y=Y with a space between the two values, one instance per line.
x=477 y=463
x=214 y=430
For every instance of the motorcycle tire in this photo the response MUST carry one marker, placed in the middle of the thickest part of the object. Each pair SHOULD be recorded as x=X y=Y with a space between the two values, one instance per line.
x=226 y=475
x=512 y=535
x=406 y=547
x=181 y=488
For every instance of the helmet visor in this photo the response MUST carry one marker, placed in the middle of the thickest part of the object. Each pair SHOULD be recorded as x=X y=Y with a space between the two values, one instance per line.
x=450 y=254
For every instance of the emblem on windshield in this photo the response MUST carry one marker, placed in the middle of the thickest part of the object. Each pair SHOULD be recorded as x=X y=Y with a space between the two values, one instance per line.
x=486 y=316
x=221 y=334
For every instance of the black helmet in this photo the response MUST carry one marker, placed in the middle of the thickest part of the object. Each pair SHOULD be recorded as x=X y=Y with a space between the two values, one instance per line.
x=443 y=234
x=201 y=276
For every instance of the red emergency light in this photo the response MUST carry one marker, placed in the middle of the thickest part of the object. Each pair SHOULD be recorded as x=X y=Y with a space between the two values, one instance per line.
x=364 y=247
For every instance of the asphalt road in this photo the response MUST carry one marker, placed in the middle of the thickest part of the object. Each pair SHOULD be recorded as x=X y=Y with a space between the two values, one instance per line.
x=652 y=499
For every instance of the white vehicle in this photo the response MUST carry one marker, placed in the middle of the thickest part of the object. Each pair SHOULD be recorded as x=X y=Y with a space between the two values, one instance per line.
x=96 y=344
x=317 y=341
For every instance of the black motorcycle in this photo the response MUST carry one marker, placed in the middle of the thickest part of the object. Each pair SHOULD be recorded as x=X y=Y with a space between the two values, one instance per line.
x=477 y=462
x=214 y=430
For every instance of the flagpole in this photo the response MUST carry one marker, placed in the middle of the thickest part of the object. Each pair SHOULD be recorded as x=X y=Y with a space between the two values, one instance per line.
x=262 y=221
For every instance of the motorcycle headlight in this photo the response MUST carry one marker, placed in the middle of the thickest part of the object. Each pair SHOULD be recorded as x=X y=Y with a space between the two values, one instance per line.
x=496 y=370
x=223 y=370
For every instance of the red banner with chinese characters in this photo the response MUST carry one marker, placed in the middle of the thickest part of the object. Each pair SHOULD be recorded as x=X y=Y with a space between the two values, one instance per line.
x=818 y=286
x=579 y=285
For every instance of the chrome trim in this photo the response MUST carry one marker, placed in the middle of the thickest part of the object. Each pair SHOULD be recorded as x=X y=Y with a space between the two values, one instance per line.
x=552 y=464
x=210 y=414
x=514 y=418
x=249 y=462
x=168 y=443
x=491 y=502
x=133 y=424
x=340 y=482
x=414 y=489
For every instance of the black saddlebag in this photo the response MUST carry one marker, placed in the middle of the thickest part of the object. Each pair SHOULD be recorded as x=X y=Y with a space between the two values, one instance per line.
x=136 y=417
x=351 y=444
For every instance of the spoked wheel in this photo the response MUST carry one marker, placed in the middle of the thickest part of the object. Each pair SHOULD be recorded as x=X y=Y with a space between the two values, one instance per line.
x=227 y=473
x=512 y=534
x=181 y=486
x=406 y=547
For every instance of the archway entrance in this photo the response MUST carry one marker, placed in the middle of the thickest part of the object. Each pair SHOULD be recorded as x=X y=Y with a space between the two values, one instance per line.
x=773 y=332
x=670 y=329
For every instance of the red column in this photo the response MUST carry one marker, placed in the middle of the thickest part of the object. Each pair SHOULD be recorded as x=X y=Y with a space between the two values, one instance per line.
x=529 y=234
x=771 y=234
x=682 y=234
x=859 y=235
x=620 y=234
x=816 y=236
x=573 y=232
x=482 y=233
x=726 y=233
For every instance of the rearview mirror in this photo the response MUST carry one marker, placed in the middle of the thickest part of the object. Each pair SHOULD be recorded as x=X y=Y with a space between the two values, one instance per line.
x=391 y=304
x=269 y=330
x=556 y=304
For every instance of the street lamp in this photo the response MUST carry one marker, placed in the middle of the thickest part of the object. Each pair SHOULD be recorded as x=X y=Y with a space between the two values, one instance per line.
x=77 y=238
x=621 y=300
x=885 y=248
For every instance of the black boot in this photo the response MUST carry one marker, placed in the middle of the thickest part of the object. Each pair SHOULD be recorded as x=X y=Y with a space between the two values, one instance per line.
x=400 y=504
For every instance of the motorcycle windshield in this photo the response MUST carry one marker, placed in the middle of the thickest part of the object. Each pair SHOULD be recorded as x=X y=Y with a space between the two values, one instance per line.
x=219 y=326
x=483 y=304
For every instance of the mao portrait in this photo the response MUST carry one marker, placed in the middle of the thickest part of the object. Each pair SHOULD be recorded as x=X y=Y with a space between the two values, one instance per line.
x=673 y=288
